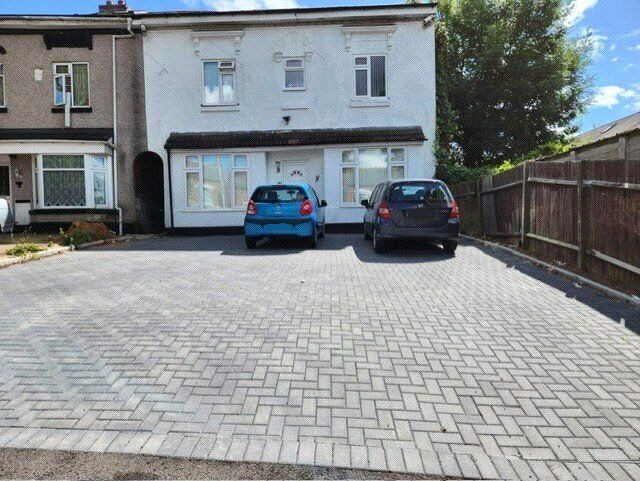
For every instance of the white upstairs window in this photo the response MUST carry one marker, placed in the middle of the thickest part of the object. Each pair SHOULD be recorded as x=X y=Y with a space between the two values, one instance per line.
x=219 y=82
x=71 y=78
x=294 y=74
x=370 y=76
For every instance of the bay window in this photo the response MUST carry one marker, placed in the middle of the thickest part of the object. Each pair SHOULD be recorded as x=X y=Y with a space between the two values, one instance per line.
x=363 y=169
x=72 y=78
x=64 y=181
x=370 y=76
x=219 y=78
x=216 y=181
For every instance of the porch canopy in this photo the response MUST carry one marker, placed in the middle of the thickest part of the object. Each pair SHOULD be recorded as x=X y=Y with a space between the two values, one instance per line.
x=54 y=141
x=290 y=138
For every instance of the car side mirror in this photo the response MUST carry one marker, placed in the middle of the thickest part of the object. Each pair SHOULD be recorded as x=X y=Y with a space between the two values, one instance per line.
x=323 y=203
x=364 y=202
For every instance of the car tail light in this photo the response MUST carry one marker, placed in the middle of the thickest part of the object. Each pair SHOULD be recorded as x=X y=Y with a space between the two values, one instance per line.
x=455 y=210
x=306 y=208
x=383 y=211
x=251 y=208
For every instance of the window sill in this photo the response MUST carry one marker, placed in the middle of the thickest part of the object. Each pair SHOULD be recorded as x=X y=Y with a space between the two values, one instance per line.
x=74 y=110
x=3 y=110
x=370 y=103
x=294 y=89
x=72 y=210
x=294 y=107
x=220 y=108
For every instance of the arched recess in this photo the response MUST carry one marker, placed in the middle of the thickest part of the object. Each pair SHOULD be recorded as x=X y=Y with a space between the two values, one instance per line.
x=149 y=191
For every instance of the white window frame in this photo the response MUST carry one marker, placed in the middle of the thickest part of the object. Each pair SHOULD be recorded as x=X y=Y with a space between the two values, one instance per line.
x=88 y=182
x=200 y=170
x=233 y=101
x=294 y=69
x=356 y=165
x=3 y=100
x=69 y=66
x=367 y=67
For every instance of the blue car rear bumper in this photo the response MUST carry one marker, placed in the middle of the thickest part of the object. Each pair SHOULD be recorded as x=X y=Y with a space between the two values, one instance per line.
x=260 y=227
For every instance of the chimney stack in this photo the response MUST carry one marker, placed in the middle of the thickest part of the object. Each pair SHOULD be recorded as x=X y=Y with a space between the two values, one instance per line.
x=109 y=8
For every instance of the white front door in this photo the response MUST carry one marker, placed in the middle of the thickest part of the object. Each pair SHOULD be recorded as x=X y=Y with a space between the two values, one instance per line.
x=295 y=171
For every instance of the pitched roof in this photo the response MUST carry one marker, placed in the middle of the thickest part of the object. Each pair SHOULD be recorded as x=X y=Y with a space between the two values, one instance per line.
x=612 y=129
x=284 y=138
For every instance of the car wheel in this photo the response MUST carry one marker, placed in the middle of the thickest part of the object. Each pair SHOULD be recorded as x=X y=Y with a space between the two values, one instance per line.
x=450 y=246
x=312 y=242
x=251 y=242
x=378 y=244
x=367 y=236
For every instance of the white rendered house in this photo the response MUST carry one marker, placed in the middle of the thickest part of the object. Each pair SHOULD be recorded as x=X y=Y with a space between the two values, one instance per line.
x=340 y=98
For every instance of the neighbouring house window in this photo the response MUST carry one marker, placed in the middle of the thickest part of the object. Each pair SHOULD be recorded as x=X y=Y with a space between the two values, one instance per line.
x=72 y=181
x=2 y=104
x=5 y=190
x=370 y=76
x=219 y=82
x=216 y=181
x=363 y=169
x=294 y=74
x=72 y=78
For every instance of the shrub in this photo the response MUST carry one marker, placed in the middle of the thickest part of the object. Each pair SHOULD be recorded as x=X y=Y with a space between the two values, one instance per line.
x=83 y=232
x=23 y=249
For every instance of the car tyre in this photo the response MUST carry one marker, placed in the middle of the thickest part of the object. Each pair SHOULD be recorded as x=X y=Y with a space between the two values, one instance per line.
x=379 y=245
x=312 y=242
x=367 y=236
x=450 y=246
x=251 y=242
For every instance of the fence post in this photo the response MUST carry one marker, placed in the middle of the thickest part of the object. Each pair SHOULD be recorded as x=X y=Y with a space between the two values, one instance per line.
x=526 y=211
x=583 y=216
x=623 y=155
x=480 y=210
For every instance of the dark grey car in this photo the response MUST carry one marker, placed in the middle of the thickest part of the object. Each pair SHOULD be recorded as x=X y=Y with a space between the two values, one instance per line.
x=421 y=209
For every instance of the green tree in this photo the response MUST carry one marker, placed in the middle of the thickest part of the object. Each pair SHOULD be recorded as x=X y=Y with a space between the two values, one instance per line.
x=510 y=78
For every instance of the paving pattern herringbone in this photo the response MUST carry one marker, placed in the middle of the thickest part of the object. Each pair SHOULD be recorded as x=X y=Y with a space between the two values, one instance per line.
x=478 y=366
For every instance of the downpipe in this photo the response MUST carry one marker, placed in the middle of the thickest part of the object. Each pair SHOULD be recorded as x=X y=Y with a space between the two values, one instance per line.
x=114 y=157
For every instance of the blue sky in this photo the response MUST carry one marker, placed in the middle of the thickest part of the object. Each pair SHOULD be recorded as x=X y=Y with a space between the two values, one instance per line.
x=614 y=27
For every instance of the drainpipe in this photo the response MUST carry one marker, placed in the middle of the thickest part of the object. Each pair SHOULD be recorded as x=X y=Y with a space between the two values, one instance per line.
x=170 y=189
x=115 y=122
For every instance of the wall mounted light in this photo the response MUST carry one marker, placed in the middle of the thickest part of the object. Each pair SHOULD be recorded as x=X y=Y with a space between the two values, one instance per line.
x=278 y=166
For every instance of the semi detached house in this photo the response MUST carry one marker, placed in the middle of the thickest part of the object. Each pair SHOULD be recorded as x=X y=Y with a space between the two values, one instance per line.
x=340 y=98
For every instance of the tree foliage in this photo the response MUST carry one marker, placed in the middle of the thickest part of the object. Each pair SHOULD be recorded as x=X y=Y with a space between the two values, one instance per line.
x=509 y=79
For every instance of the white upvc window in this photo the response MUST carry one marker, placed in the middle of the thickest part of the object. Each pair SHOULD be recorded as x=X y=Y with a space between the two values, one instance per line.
x=76 y=180
x=370 y=77
x=294 y=74
x=2 y=101
x=219 y=82
x=216 y=181
x=364 y=168
x=71 y=78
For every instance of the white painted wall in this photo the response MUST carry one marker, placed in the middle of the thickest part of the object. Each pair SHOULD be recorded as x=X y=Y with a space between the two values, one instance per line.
x=173 y=89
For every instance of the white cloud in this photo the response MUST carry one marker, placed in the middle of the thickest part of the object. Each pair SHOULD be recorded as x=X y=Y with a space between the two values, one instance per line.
x=611 y=95
x=636 y=47
x=615 y=59
x=635 y=33
x=225 y=5
x=578 y=9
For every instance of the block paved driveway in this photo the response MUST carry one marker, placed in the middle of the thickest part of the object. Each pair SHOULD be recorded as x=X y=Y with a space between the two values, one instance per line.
x=478 y=366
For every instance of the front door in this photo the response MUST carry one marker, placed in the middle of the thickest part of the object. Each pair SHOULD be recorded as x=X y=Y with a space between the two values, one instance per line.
x=295 y=171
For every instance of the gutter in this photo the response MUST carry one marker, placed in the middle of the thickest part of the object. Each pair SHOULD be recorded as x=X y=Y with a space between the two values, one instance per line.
x=114 y=157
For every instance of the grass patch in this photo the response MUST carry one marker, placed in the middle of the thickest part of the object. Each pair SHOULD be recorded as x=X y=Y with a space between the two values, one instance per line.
x=24 y=249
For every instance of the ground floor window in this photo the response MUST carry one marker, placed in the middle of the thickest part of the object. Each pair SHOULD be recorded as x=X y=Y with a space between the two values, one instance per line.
x=5 y=188
x=363 y=169
x=80 y=180
x=216 y=181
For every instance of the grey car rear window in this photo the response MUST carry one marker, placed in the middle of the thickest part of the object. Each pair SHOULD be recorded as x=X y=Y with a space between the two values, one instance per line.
x=415 y=192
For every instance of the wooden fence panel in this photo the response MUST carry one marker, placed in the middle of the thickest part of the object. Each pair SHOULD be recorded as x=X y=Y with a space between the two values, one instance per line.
x=575 y=206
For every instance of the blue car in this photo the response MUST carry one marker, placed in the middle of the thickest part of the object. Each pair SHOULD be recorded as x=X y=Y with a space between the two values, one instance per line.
x=279 y=210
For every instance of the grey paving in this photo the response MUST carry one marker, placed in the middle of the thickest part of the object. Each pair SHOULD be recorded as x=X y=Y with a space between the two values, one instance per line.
x=477 y=366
